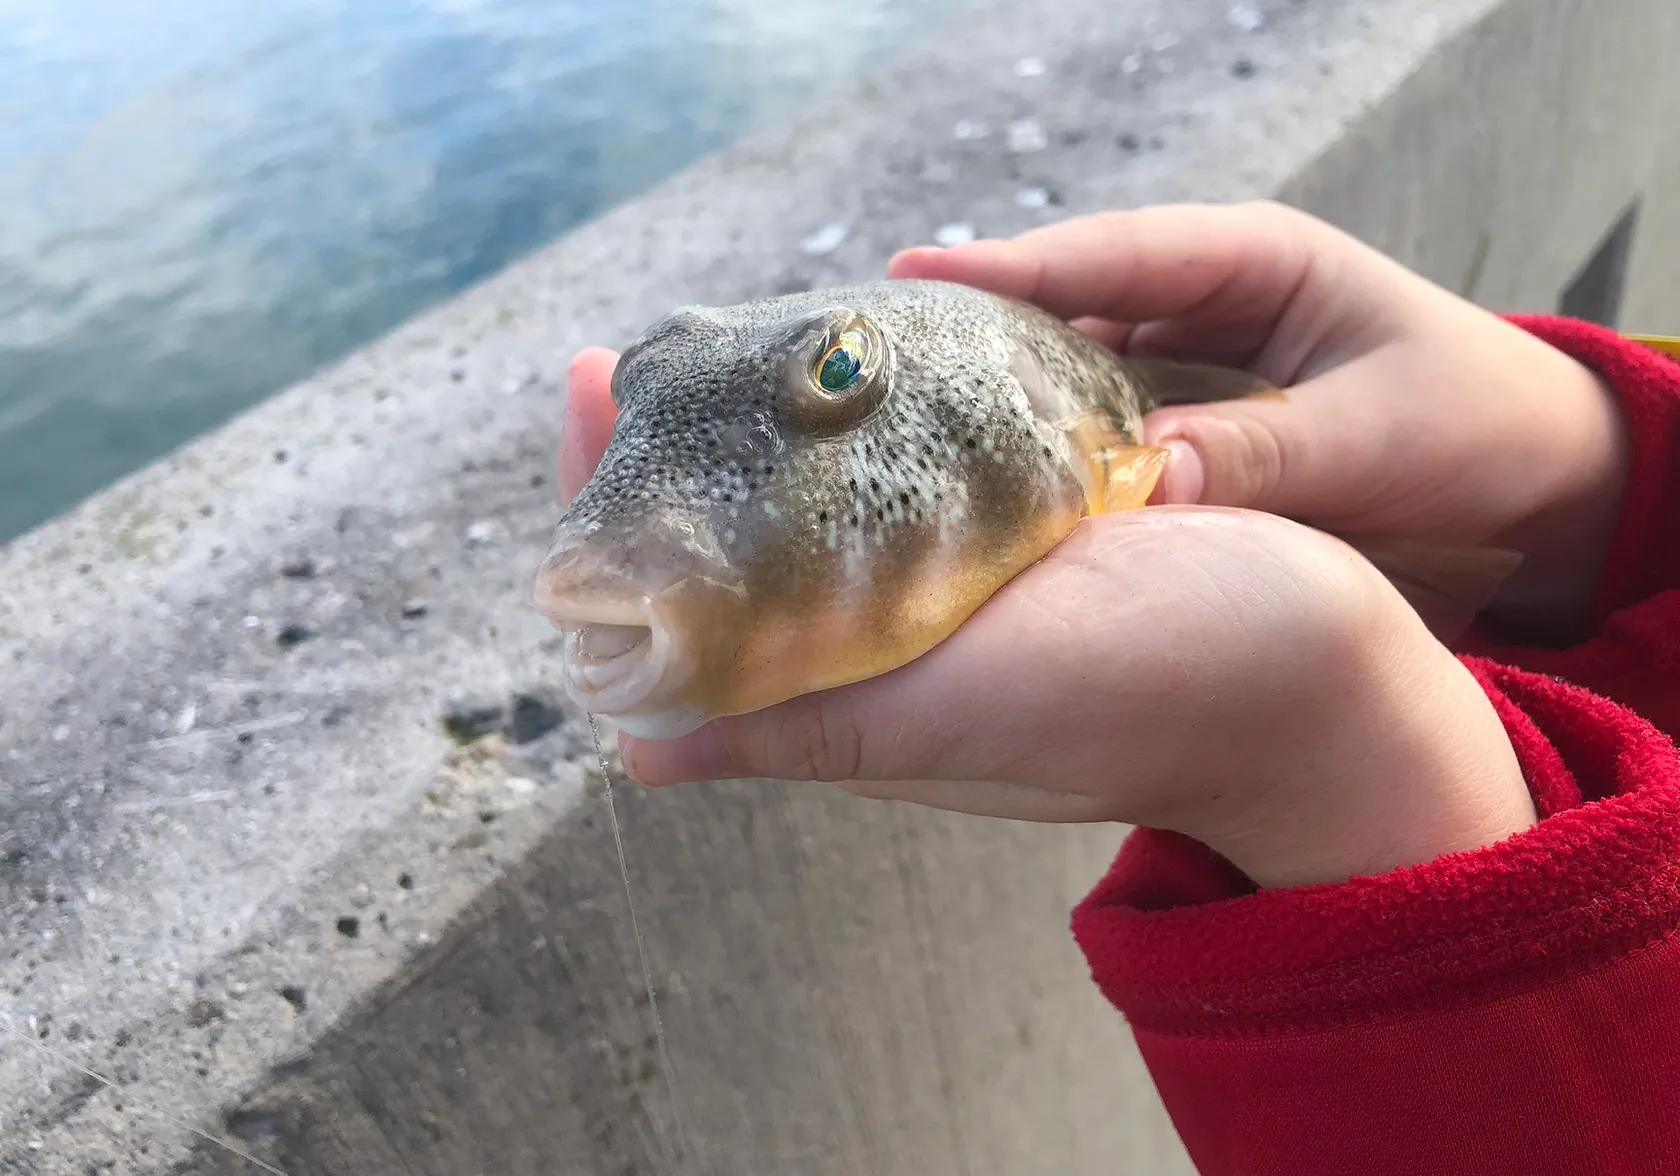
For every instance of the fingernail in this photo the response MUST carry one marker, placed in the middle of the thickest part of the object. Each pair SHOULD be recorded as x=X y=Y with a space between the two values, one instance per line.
x=1184 y=479
x=909 y=257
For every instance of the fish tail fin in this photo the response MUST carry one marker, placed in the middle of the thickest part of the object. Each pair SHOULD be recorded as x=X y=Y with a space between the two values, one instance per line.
x=1447 y=585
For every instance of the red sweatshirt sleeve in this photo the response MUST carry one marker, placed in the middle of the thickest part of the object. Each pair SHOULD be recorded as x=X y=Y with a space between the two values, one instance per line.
x=1515 y=1010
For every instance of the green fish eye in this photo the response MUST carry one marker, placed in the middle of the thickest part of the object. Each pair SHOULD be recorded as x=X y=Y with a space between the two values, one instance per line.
x=840 y=369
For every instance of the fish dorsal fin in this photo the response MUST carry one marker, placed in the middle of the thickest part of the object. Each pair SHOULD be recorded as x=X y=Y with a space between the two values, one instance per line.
x=1166 y=381
x=1447 y=585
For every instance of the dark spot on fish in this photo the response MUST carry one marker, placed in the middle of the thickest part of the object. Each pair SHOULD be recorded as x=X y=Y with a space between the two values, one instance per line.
x=822 y=516
x=905 y=499
x=854 y=520
x=971 y=443
x=302 y=568
x=296 y=997
x=405 y=880
x=244 y=737
x=1130 y=142
x=349 y=926
x=1244 y=68
x=335 y=716
x=280 y=456
x=879 y=514
x=1047 y=452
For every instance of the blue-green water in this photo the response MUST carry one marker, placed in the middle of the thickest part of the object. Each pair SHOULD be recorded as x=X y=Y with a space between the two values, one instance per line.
x=204 y=200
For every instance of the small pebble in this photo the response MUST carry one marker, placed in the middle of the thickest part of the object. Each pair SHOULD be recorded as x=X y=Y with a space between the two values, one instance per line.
x=1029 y=67
x=1032 y=198
x=1027 y=134
x=1247 y=17
x=825 y=240
x=520 y=785
x=483 y=531
x=969 y=129
x=951 y=235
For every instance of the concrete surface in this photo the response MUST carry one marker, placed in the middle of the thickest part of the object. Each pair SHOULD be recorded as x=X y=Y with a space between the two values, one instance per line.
x=245 y=870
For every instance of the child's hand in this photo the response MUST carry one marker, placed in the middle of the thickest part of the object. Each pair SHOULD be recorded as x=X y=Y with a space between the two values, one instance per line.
x=1228 y=674
x=1411 y=411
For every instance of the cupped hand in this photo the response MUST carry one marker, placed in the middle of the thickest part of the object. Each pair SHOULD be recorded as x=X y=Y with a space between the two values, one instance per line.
x=1411 y=412
x=1228 y=674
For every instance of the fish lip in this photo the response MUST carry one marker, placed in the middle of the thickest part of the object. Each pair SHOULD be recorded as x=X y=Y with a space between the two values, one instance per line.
x=640 y=675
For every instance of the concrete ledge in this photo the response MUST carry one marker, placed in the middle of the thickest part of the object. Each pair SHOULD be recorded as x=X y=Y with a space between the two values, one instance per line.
x=246 y=871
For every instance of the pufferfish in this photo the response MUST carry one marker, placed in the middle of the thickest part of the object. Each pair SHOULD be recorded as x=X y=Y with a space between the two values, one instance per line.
x=806 y=491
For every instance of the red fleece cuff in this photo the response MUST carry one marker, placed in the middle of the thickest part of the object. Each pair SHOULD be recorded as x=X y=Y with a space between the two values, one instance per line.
x=1644 y=556
x=1181 y=943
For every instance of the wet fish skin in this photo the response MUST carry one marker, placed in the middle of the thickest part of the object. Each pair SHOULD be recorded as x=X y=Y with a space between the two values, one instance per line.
x=752 y=534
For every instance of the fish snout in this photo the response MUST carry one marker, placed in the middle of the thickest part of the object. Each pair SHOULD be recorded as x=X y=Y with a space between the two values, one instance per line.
x=620 y=602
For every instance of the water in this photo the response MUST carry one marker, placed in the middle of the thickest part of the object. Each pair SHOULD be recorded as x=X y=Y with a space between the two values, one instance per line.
x=204 y=200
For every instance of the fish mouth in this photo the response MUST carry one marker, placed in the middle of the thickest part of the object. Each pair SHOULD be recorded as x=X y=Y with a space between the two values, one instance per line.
x=621 y=659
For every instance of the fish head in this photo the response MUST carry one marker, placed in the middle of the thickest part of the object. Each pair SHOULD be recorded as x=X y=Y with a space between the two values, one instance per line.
x=799 y=493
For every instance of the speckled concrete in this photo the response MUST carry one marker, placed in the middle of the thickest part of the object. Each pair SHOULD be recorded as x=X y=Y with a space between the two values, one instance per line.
x=247 y=872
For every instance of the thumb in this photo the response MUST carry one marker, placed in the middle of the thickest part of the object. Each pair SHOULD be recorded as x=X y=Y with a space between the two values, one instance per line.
x=1238 y=454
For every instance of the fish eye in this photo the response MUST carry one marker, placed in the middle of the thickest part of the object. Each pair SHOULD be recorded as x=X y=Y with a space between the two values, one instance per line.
x=842 y=365
x=838 y=371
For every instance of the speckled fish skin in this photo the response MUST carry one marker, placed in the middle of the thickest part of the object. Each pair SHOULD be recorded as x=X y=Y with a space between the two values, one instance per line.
x=748 y=538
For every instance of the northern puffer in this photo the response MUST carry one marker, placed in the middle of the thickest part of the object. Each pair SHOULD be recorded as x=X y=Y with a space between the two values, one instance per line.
x=810 y=490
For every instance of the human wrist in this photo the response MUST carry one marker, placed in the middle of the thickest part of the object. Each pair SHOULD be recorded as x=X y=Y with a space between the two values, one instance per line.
x=1567 y=537
x=1403 y=760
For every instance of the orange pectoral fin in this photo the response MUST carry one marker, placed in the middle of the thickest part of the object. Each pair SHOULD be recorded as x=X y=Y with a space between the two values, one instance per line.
x=1127 y=475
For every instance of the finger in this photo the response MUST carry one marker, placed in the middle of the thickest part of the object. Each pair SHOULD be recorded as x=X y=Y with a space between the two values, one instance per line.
x=588 y=422
x=1114 y=336
x=1236 y=266
x=1328 y=453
